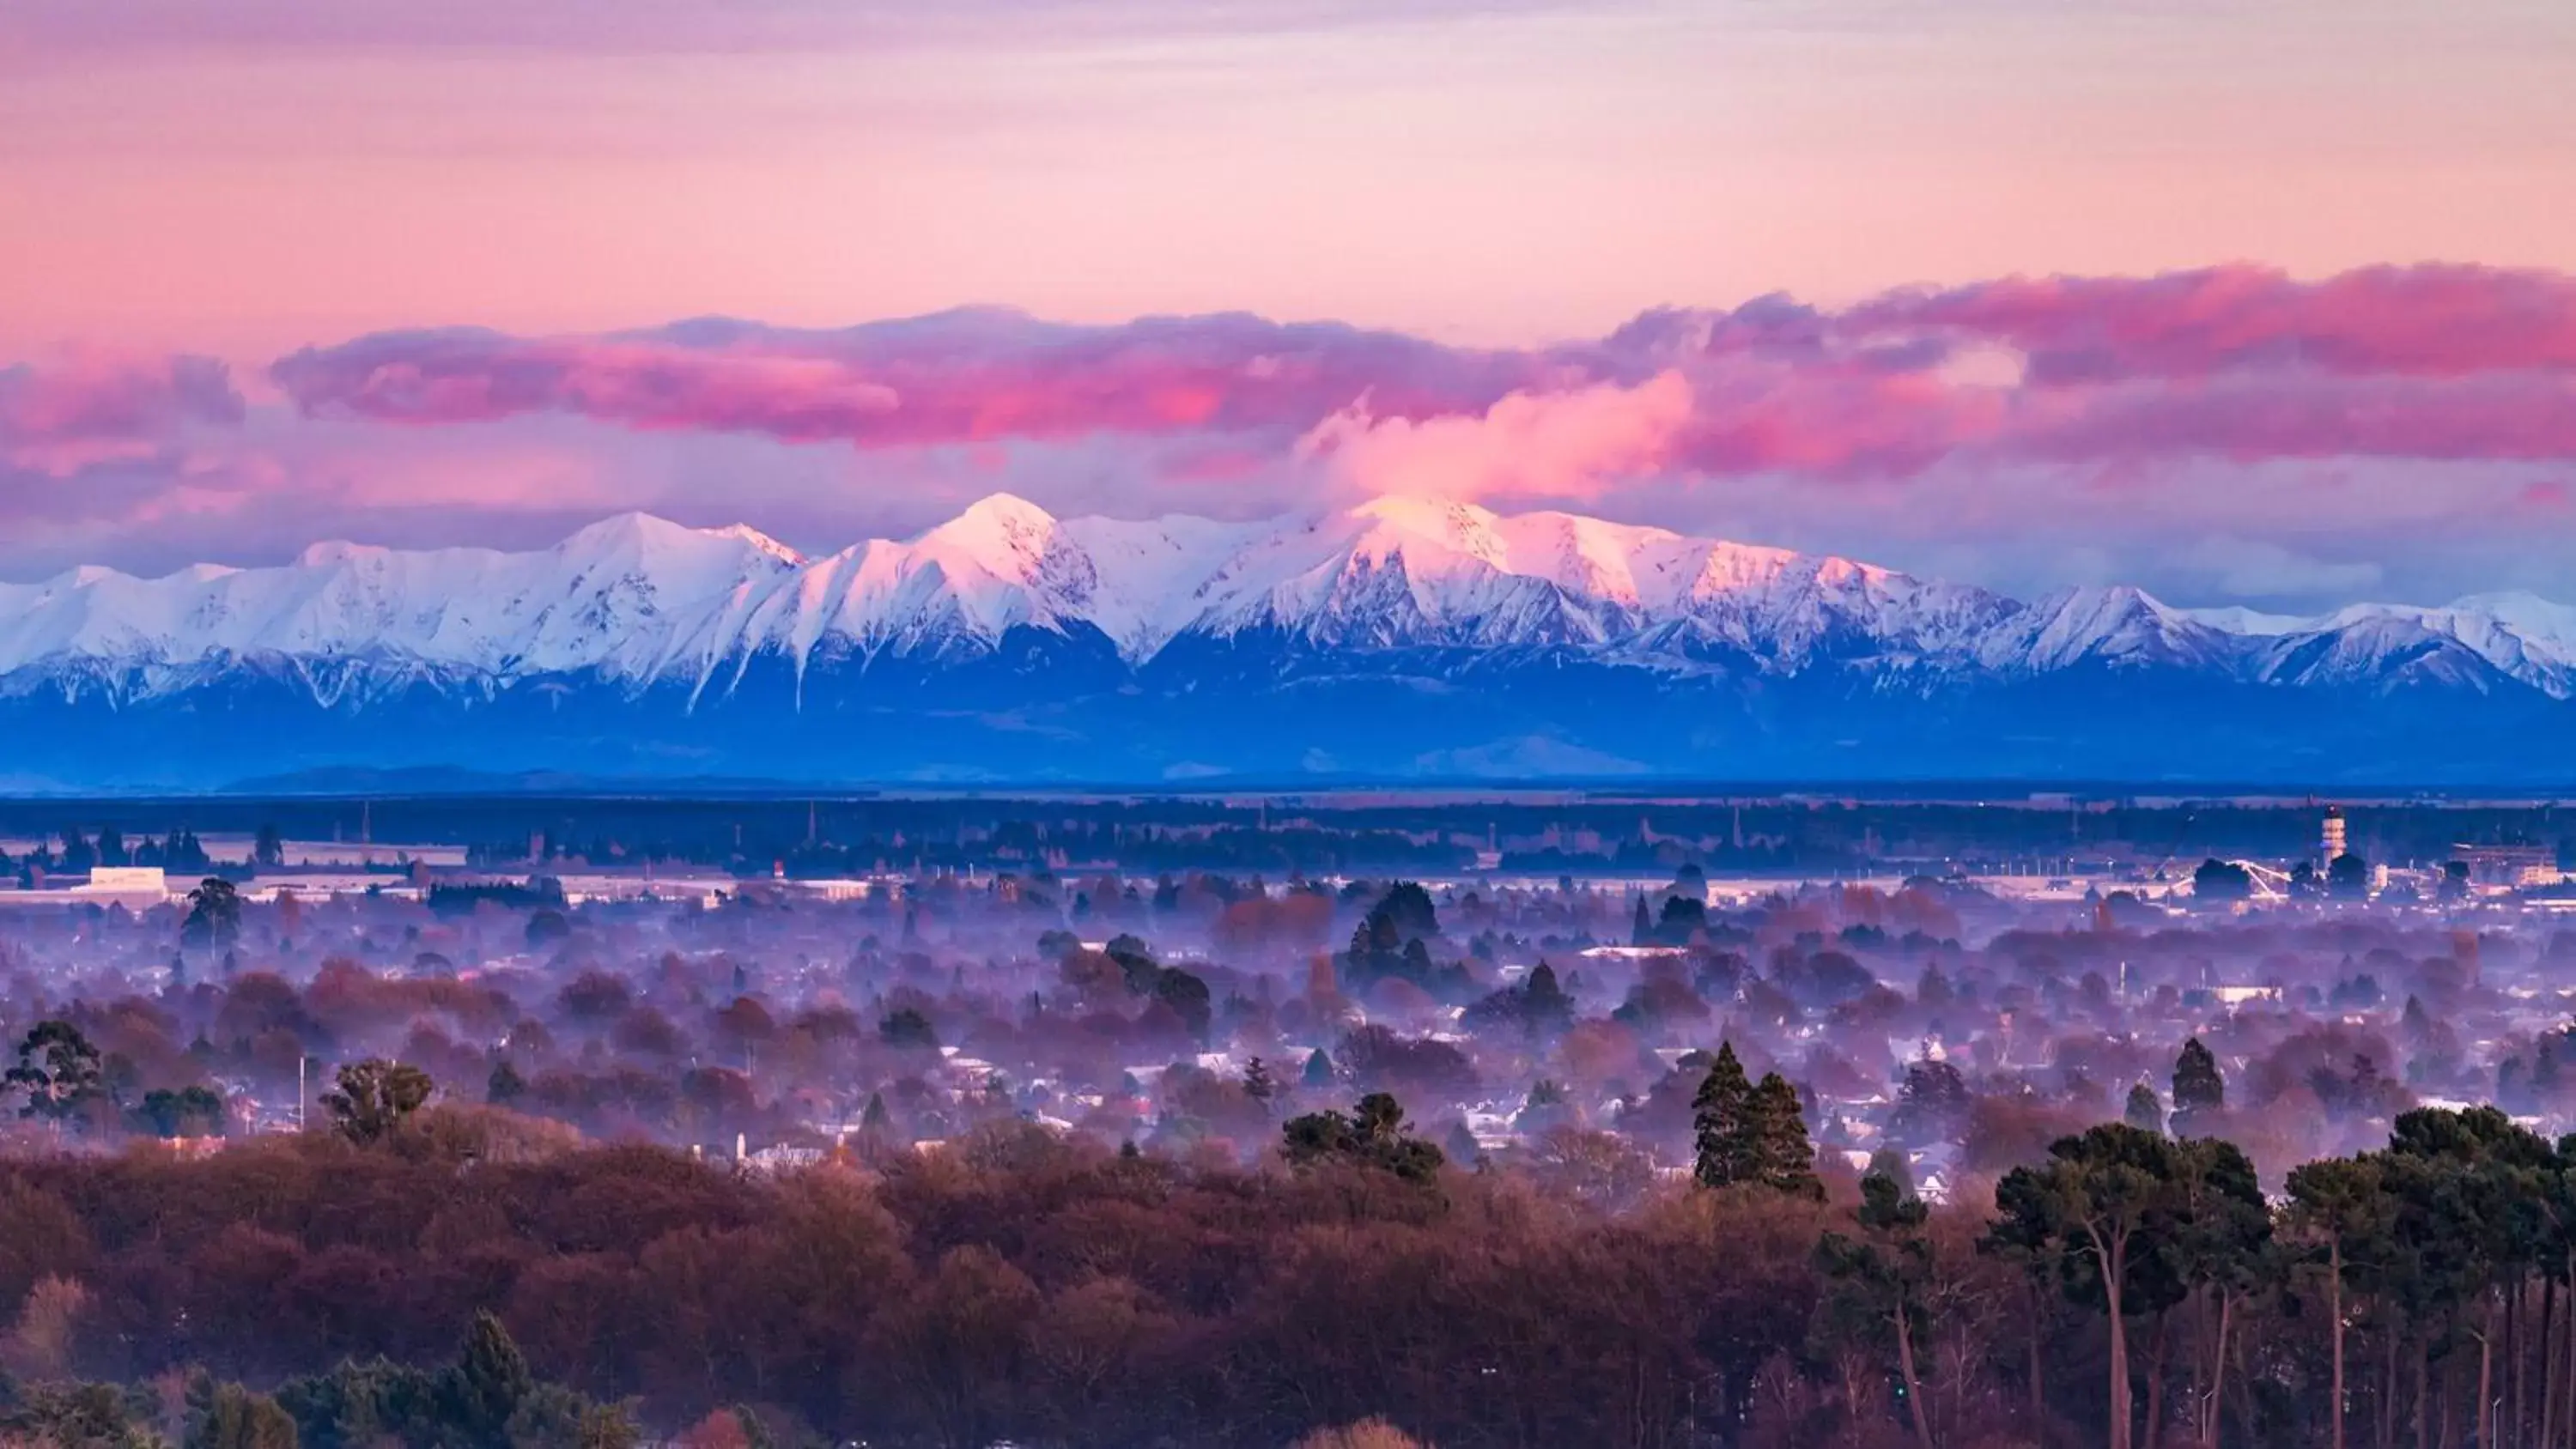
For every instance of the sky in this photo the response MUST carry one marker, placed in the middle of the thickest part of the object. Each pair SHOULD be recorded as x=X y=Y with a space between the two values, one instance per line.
x=2263 y=303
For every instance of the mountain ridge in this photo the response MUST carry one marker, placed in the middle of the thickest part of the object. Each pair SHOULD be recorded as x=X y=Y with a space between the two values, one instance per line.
x=1482 y=643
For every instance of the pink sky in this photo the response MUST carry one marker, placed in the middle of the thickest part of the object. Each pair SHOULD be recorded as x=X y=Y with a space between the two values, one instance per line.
x=243 y=178
x=1498 y=186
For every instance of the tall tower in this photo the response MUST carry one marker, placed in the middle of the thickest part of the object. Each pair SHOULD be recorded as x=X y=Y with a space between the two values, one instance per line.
x=2332 y=842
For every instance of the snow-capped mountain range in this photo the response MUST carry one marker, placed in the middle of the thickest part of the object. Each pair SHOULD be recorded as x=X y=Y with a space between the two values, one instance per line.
x=1007 y=643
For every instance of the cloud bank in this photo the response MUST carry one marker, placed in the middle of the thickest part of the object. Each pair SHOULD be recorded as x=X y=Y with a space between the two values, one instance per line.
x=2238 y=362
x=2233 y=430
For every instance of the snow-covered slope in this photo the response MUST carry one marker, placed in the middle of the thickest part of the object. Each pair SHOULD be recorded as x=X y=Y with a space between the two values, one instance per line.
x=640 y=602
x=2518 y=635
x=633 y=596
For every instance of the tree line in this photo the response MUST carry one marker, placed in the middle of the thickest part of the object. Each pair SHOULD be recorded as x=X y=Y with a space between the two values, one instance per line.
x=2134 y=1287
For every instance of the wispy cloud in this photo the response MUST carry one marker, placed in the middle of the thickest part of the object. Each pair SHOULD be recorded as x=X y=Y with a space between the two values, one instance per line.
x=53 y=29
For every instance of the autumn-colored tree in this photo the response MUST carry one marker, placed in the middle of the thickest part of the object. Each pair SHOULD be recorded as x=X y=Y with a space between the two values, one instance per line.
x=1370 y=1434
x=40 y=1345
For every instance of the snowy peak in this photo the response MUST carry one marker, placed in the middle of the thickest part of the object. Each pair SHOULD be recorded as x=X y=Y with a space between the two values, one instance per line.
x=644 y=542
x=745 y=534
x=2119 y=626
x=1390 y=525
x=643 y=601
x=1000 y=521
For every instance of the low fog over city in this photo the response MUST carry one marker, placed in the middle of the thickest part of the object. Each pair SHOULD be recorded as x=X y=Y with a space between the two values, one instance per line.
x=1136 y=1079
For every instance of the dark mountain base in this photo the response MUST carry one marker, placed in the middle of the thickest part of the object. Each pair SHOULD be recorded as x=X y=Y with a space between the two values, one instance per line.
x=1046 y=709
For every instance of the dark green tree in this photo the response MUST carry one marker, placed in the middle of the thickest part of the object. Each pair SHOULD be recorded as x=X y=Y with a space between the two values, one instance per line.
x=1889 y=1163
x=908 y=1028
x=2339 y=1208
x=545 y=927
x=374 y=1098
x=2143 y=1111
x=2216 y=1237
x=1722 y=1123
x=228 y=1416
x=1187 y=996
x=2096 y=1207
x=358 y=1405
x=1877 y=1282
x=1408 y=908
x=484 y=1389
x=1544 y=1004
x=2221 y=882
x=59 y=1071
x=1783 y=1158
x=1375 y=1134
x=1932 y=1102
x=2467 y=1187
x=195 y=1111
x=505 y=1085
x=214 y=914
x=2199 y=1092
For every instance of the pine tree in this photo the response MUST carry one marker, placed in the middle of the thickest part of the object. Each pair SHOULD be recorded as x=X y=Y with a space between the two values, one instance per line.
x=228 y=1416
x=488 y=1383
x=1544 y=1004
x=1722 y=1115
x=1319 y=1069
x=1257 y=1082
x=1783 y=1159
x=1643 y=932
x=2144 y=1112
x=1891 y=1164
x=2199 y=1092
x=1879 y=1279
x=505 y=1085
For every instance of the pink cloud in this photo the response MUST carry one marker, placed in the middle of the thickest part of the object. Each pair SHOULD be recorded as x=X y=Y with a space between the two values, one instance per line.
x=649 y=386
x=1834 y=420
x=81 y=410
x=103 y=435
x=1565 y=444
x=958 y=378
x=2424 y=321
x=2502 y=417
x=2233 y=362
